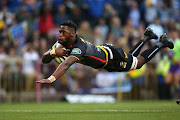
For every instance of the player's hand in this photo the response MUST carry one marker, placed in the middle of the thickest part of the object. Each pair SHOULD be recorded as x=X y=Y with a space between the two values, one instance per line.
x=43 y=81
x=61 y=52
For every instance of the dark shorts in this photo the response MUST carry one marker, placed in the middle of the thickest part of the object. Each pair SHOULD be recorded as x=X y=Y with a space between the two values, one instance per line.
x=174 y=69
x=119 y=60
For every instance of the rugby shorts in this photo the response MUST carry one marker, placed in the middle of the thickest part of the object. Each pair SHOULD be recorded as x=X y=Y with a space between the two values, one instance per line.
x=118 y=60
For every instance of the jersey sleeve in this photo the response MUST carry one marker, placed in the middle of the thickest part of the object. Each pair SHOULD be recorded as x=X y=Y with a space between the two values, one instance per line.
x=78 y=51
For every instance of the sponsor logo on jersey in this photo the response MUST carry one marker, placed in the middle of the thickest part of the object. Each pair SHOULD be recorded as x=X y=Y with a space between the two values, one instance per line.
x=123 y=64
x=76 y=51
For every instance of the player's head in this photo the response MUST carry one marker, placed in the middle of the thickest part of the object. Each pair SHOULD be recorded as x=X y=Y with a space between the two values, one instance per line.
x=70 y=24
x=67 y=32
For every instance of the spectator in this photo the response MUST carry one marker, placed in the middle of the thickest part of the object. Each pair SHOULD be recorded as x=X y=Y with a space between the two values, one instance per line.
x=165 y=13
x=110 y=38
x=97 y=37
x=171 y=25
x=29 y=61
x=134 y=14
x=176 y=8
x=151 y=11
x=163 y=88
x=12 y=61
x=82 y=72
x=61 y=15
x=43 y=46
x=51 y=39
x=3 y=56
x=17 y=48
x=174 y=71
x=157 y=28
x=85 y=31
x=6 y=16
x=25 y=15
x=109 y=12
x=123 y=6
x=46 y=19
x=103 y=27
x=76 y=15
x=129 y=31
x=96 y=9
x=115 y=27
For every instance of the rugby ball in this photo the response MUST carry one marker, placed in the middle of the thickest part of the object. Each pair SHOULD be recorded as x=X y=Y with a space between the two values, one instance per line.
x=58 y=60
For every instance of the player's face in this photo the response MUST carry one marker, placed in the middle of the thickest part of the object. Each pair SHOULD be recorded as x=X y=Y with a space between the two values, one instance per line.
x=64 y=35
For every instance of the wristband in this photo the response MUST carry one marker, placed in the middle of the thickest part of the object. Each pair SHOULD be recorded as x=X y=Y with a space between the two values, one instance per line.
x=52 y=52
x=52 y=78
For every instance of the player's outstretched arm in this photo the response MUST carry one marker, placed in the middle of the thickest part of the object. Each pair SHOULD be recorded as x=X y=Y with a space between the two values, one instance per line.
x=62 y=68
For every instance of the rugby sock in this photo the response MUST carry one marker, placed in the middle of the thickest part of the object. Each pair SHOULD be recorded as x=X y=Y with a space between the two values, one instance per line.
x=151 y=52
x=137 y=48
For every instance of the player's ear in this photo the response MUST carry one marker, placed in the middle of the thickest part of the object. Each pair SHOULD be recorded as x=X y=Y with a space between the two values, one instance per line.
x=72 y=34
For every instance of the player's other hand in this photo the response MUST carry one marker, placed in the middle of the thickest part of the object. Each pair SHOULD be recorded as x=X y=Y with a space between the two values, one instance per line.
x=43 y=81
x=60 y=51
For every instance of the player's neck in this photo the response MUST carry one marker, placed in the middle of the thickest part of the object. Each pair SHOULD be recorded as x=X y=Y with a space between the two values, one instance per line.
x=71 y=42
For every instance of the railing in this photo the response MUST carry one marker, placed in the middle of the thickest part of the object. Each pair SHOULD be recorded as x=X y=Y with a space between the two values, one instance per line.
x=18 y=86
x=15 y=87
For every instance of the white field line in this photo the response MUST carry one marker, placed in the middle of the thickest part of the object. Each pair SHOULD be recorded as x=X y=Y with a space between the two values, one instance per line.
x=74 y=111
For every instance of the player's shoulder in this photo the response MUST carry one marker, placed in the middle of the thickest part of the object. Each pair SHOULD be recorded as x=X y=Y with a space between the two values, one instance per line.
x=80 y=39
x=79 y=42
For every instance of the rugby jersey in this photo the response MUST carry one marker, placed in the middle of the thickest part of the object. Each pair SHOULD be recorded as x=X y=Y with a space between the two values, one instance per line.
x=88 y=54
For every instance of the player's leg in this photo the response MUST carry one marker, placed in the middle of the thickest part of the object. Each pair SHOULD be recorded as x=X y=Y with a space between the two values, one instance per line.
x=173 y=75
x=148 y=35
x=168 y=78
x=176 y=80
x=148 y=54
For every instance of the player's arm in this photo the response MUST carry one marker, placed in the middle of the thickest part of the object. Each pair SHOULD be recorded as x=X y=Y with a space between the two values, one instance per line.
x=62 y=68
x=48 y=56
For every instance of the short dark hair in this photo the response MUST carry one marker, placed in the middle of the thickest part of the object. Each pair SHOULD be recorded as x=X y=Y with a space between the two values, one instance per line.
x=70 y=24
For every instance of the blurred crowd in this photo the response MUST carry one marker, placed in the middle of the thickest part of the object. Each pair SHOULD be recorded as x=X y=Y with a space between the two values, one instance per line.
x=28 y=28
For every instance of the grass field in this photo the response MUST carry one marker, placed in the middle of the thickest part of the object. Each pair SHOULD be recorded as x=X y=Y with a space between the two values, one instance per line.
x=125 y=110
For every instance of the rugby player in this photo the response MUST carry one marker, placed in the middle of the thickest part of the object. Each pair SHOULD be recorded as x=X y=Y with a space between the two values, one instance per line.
x=106 y=56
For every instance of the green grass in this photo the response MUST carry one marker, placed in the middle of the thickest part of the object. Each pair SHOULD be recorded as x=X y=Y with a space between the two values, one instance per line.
x=125 y=110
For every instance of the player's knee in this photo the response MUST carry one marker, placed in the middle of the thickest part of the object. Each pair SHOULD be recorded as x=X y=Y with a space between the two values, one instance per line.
x=141 y=62
x=139 y=66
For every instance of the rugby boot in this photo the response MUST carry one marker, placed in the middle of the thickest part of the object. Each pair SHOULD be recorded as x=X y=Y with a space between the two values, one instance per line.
x=166 y=41
x=149 y=32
